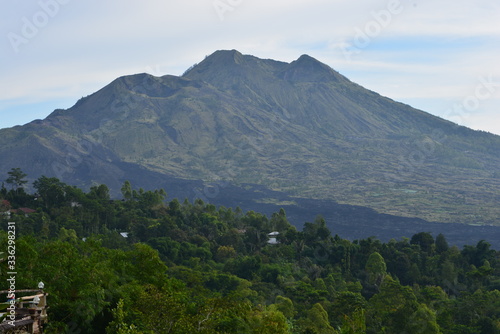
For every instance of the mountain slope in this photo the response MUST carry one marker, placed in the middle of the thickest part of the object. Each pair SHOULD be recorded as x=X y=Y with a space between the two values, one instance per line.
x=300 y=128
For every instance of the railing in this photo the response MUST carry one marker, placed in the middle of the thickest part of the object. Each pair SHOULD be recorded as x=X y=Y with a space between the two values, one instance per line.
x=27 y=312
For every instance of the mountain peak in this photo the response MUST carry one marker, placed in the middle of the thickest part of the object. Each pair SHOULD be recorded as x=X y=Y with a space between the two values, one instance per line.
x=223 y=58
x=216 y=63
x=228 y=56
x=309 y=69
x=231 y=65
x=308 y=58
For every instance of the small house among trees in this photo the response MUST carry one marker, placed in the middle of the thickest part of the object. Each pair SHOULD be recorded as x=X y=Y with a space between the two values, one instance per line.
x=272 y=238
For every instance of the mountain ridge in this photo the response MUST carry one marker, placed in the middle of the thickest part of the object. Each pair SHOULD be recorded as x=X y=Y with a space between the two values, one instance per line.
x=300 y=128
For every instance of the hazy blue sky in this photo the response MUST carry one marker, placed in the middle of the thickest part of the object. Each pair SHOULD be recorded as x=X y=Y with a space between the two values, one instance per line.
x=438 y=56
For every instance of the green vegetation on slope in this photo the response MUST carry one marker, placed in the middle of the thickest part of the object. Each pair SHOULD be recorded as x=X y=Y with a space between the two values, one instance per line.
x=195 y=268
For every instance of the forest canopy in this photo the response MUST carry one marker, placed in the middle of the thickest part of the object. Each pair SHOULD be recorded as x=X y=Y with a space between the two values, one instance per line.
x=145 y=264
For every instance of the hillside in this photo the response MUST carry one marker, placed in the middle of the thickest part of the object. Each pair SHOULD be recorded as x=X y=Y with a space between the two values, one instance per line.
x=298 y=128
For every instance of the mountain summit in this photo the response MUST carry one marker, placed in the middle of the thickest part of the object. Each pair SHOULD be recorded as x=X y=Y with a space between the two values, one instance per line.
x=223 y=63
x=299 y=128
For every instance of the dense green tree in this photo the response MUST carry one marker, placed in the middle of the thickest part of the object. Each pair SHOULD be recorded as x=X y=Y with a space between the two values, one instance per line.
x=246 y=267
x=347 y=309
x=126 y=190
x=285 y=306
x=423 y=320
x=16 y=178
x=354 y=323
x=100 y=192
x=424 y=240
x=269 y=321
x=317 y=231
x=389 y=310
x=279 y=221
x=51 y=191
x=375 y=268
x=118 y=325
x=316 y=321
x=168 y=248
x=441 y=244
x=147 y=266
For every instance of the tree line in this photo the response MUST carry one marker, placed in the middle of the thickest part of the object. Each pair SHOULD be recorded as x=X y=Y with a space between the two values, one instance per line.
x=192 y=267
